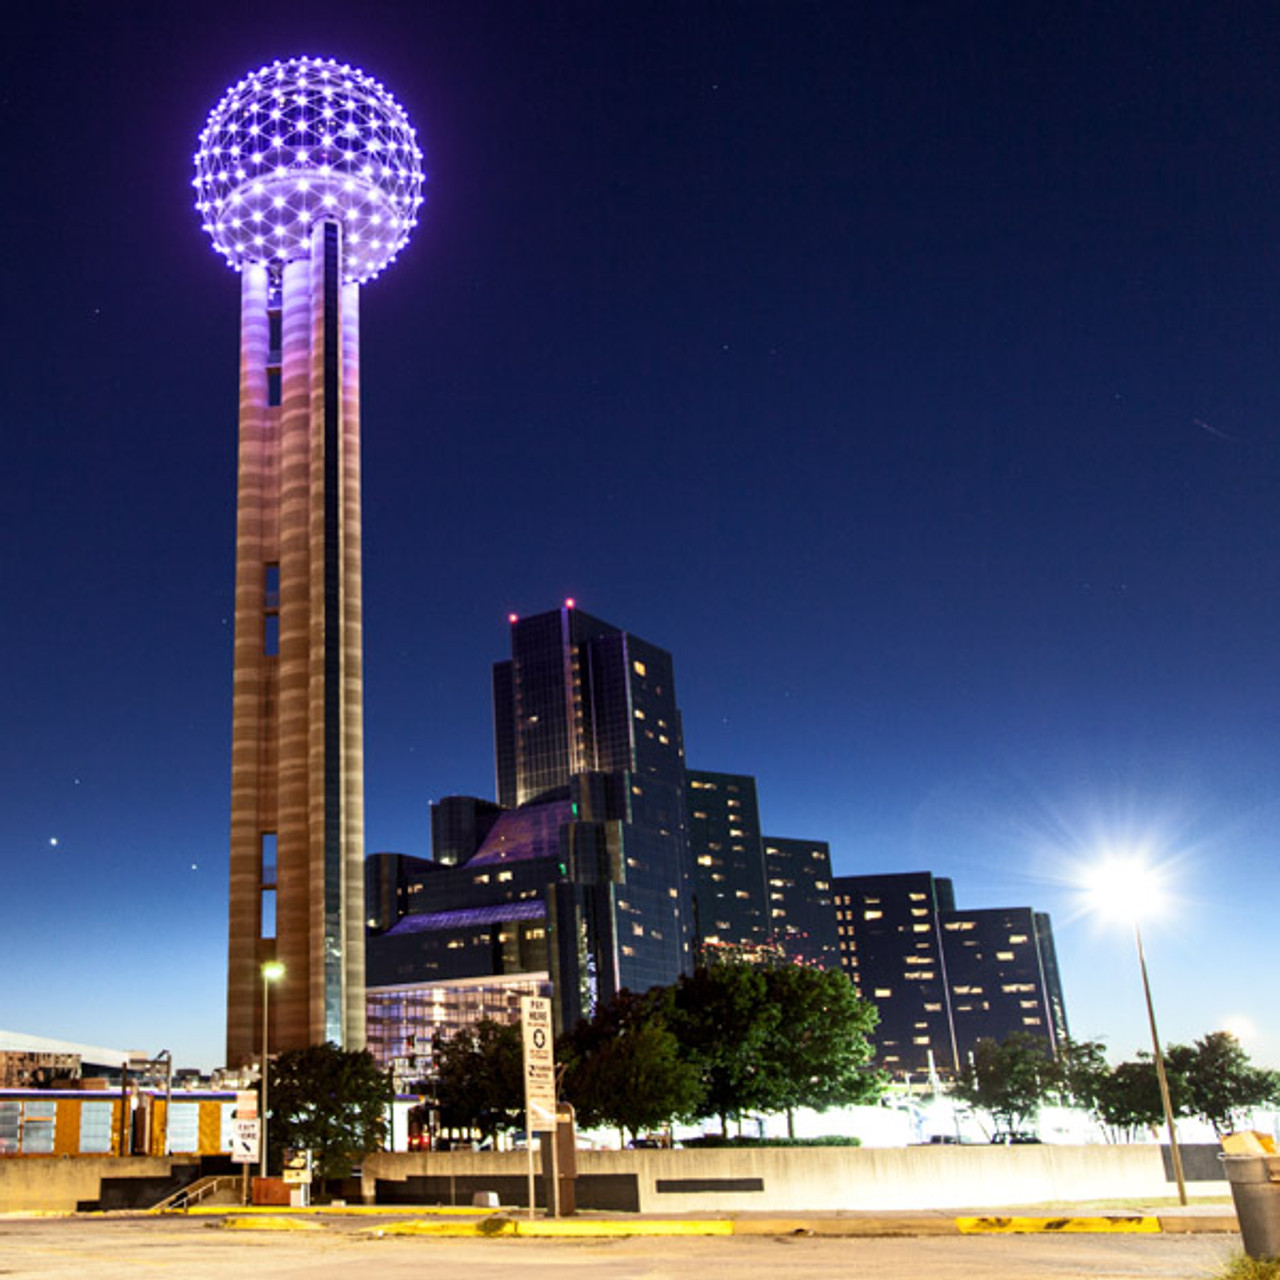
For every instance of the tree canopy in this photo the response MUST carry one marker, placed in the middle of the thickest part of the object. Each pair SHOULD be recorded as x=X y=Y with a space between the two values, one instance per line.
x=1009 y=1079
x=332 y=1101
x=1081 y=1072
x=1221 y=1084
x=724 y=1021
x=1129 y=1096
x=729 y=1038
x=479 y=1078
x=817 y=1053
x=1212 y=1079
x=625 y=1068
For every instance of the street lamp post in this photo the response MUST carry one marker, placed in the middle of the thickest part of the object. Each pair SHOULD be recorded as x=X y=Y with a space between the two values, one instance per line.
x=1118 y=888
x=1161 y=1074
x=271 y=972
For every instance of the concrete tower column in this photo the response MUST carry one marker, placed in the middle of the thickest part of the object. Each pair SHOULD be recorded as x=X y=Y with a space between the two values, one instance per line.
x=297 y=743
x=308 y=179
x=352 y=676
x=253 y=735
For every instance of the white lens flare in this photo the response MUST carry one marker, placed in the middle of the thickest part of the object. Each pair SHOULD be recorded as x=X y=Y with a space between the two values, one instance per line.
x=1127 y=885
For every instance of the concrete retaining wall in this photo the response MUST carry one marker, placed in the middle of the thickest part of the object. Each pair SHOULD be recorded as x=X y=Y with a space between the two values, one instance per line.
x=830 y=1178
x=693 y=1181
x=60 y=1183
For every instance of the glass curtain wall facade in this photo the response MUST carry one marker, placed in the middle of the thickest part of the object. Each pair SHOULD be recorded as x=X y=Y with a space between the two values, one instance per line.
x=1002 y=974
x=891 y=947
x=801 y=908
x=404 y=1021
x=585 y=706
x=943 y=979
x=727 y=860
x=581 y=871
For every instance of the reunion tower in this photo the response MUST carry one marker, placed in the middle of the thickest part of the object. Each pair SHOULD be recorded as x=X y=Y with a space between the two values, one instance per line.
x=308 y=179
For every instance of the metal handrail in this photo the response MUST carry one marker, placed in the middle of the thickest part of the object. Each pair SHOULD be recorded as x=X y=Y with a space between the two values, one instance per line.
x=196 y=1191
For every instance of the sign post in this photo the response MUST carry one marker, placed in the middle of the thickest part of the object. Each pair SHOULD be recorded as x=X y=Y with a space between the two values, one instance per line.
x=539 y=1078
x=245 y=1137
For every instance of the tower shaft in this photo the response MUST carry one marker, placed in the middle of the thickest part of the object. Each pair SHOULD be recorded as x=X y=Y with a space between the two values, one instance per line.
x=297 y=788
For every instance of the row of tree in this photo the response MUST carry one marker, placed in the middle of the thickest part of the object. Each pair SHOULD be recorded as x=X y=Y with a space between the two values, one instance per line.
x=730 y=1038
x=734 y=1038
x=1211 y=1079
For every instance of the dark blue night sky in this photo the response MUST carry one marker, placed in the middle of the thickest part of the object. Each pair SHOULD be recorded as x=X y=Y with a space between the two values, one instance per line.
x=909 y=371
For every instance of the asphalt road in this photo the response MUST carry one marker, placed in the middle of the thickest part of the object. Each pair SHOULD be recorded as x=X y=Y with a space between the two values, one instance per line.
x=208 y=1249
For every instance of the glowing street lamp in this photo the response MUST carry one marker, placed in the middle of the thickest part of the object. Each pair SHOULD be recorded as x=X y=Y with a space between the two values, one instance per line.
x=1123 y=888
x=272 y=971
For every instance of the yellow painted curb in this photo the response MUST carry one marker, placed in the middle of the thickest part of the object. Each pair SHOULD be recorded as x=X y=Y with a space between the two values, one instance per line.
x=489 y=1227
x=273 y=1224
x=327 y=1210
x=547 y=1227
x=864 y=1226
x=641 y=1227
x=1062 y=1226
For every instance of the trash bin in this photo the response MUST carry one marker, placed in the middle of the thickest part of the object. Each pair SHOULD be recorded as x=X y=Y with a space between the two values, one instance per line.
x=1255 y=1188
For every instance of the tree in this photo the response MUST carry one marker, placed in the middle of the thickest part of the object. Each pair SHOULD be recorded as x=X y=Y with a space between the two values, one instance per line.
x=773 y=1037
x=1009 y=1079
x=724 y=1021
x=1222 y=1085
x=1080 y=1074
x=624 y=1067
x=332 y=1101
x=817 y=1050
x=1129 y=1097
x=479 y=1078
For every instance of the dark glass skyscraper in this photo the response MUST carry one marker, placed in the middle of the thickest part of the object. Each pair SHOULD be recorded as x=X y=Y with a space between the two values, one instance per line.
x=581 y=871
x=943 y=979
x=586 y=710
x=727 y=859
x=577 y=696
x=802 y=918
x=1002 y=971
x=752 y=891
x=891 y=946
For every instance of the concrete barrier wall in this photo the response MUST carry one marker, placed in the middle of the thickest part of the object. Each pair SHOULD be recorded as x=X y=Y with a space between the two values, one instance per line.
x=833 y=1178
x=897 y=1178
x=59 y=1183
x=694 y=1180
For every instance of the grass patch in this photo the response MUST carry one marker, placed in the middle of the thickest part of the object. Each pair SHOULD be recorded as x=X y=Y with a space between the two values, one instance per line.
x=1242 y=1267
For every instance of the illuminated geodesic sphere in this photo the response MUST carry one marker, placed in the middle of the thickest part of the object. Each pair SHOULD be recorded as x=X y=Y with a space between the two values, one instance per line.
x=301 y=141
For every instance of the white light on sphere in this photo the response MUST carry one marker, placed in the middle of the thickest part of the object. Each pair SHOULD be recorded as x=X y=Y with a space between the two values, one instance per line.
x=302 y=173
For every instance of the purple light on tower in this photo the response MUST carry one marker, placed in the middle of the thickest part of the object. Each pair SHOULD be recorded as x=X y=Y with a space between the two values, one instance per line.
x=308 y=179
x=303 y=141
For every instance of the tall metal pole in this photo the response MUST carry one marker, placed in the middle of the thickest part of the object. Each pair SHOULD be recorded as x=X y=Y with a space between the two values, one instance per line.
x=168 y=1096
x=1160 y=1071
x=262 y=1151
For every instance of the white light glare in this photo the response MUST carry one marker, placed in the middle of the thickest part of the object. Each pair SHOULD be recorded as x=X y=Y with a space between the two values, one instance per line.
x=1241 y=1027
x=1127 y=886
